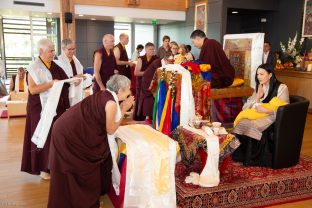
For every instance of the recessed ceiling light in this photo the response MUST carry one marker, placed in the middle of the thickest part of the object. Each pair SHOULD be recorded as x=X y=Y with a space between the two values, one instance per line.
x=234 y=12
x=93 y=19
x=49 y=12
x=80 y=15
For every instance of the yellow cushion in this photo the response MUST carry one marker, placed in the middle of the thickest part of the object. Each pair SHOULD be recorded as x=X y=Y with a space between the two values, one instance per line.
x=237 y=82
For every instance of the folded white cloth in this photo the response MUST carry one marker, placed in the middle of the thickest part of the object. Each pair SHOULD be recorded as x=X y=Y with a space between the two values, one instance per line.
x=48 y=113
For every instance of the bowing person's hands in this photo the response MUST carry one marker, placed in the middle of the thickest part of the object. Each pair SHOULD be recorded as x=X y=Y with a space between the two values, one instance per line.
x=127 y=104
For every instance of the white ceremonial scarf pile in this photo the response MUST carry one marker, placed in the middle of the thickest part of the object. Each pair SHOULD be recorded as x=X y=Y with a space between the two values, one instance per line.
x=210 y=175
x=76 y=93
x=114 y=148
x=187 y=109
x=48 y=113
x=150 y=180
x=17 y=83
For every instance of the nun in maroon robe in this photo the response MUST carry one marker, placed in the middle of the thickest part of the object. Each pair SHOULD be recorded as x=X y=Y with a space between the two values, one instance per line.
x=80 y=158
x=222 y=71
x=143 y=63
x=146 y=99
x=35 y=160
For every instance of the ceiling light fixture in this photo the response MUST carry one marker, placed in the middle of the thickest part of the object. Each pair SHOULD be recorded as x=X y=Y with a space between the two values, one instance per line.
x=234 y=12
x=80 y=15
x=50 y=13
x=93 y=19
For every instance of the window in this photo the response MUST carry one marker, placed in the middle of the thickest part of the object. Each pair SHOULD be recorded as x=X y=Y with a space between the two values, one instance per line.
x=143 y=34
x=20 y=37
x=123 y=28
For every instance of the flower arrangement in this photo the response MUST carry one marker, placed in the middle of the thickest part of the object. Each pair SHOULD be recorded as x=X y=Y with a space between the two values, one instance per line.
x=293 y=52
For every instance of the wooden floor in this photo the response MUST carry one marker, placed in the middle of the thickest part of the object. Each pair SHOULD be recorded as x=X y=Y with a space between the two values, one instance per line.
x=18 y=189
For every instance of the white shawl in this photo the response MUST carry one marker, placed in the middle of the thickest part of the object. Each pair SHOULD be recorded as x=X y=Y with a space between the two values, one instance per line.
x=187 y=111
x=49 y=100
x=114 y=148
x=64 y=63
x=48 y=113
x=17 y=83
x=75 y=92
x=210 y=175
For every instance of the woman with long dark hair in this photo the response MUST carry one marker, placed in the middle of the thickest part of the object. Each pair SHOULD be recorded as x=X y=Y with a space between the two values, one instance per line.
x=254 y=142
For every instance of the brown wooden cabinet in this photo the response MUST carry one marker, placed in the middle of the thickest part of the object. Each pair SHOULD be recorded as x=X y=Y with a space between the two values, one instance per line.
x=298 y=82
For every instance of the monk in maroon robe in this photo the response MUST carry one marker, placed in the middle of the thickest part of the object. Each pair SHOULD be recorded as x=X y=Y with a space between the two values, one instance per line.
x=143 y=63
x=105 y=64
x=80 y=158
x=146 y=99
x=211 y=52
x=120 y=52
x=20 y=74
x=34 y=160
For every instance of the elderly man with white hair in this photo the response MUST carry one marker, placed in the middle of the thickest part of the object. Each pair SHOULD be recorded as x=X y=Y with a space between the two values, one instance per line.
x=105 y=64
x=42 y=74
x=121 y=56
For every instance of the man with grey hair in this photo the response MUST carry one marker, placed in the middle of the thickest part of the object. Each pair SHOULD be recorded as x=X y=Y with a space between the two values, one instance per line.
x=42 y=74
x=121 y=56
x=105 y=64
x=80 y=154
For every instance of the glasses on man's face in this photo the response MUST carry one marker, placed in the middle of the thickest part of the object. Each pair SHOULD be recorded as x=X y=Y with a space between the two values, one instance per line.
x=174 y=48
x=71 y=49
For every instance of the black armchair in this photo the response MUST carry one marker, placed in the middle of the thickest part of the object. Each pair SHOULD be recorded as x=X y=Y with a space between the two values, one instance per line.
x=288 y=132
x=280 y=144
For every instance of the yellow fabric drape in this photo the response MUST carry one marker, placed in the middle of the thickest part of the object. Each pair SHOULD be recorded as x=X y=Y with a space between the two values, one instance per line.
x=164 y=112
x=252 y=114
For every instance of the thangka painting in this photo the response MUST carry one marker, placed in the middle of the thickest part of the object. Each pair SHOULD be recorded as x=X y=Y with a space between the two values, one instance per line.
x=200 y=16
x=245 y=54
x=239 y=52
x=307 y=19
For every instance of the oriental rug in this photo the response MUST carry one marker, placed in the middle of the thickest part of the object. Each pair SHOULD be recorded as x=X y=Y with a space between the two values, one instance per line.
x=247 y=186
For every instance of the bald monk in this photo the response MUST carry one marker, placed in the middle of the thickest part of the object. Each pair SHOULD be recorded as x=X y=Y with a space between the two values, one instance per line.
x=105 y=64
x=42 y=73
x=211 y=52
x=80 y=158
x=120 y=52
x=146 y=99
x=143 y=63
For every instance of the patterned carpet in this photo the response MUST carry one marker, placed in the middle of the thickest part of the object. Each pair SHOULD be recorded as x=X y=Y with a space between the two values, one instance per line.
x=247 y=186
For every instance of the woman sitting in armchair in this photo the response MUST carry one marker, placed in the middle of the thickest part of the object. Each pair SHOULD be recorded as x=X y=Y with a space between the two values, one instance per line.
x=253 y=130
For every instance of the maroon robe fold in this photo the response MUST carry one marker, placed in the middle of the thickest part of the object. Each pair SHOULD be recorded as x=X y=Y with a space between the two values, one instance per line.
x=72 y=63
x=222 y=71
x=107 y=68
x=123 y=69
x=80 y=159
x=145 y=63
x=35 y=160
x=146 y=99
